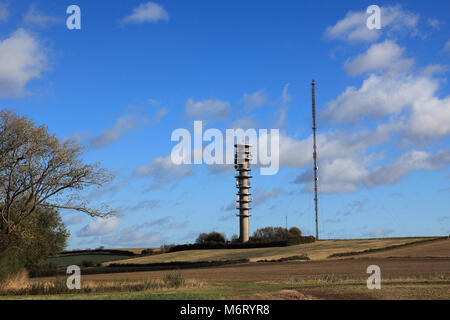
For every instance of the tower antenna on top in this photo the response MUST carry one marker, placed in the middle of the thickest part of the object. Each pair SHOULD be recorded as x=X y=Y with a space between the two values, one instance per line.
x=315 y=156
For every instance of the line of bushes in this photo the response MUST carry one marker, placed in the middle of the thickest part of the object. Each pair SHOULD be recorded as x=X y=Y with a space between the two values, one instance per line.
x=100 y=251
x=53 y=270
x=291 y=258
x=246 y=245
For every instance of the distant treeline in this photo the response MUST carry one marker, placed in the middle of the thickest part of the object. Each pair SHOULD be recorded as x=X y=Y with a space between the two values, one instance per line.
x=100 y=251
x=246 y=245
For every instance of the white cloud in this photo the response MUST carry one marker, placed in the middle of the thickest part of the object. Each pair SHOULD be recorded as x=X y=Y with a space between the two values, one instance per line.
x=378 y=96
x=129 y=237
x=245 y=123
x=77 y=219
x=282 y=118
x=435 y=23
x=100 y=226
x=433 y=69
x=143 y=205
x=147 y=12
x=259 y=197
x=379 y=57
x=353 y=27
x=410 y=161
x=161 y=113
x=122 y=126
x=254 y=100
x=429 y=116
x=22 y=59
x=347 y=174
x=341 y=175
x=4 y=12
x=447 y=46
x=285 y=96
x=211 y=109
x=262 y=197
x=163 y=170
x=37 y=18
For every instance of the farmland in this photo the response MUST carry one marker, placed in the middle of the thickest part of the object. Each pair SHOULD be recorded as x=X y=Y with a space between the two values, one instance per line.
x=419 y=270
x=78 y=259
x=315 y=251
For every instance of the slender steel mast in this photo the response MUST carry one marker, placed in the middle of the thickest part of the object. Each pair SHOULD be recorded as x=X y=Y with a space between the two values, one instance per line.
x=315 y=156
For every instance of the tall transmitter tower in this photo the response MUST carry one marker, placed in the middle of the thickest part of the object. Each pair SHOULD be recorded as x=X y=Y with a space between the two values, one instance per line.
x=242 y=159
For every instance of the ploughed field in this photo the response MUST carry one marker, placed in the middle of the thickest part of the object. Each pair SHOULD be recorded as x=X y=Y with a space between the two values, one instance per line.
x=415 y=271
x=347 y=269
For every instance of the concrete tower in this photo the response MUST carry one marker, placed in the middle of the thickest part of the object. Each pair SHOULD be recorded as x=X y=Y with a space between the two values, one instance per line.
x=242 y=159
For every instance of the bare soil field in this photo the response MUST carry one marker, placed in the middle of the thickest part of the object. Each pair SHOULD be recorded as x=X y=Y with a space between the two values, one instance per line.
x=391 y=268
x=417 y=271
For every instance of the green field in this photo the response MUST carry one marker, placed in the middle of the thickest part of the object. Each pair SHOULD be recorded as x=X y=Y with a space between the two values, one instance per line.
x=77 y=259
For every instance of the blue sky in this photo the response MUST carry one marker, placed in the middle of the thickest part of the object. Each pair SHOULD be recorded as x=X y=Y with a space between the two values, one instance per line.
x=137 y=70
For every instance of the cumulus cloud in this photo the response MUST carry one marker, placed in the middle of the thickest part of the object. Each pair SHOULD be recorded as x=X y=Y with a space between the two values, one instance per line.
x=353 y=27
x=380 y=57
x=147 y=12
x=380 y=95
x=410 y=161
x=331 y=145
x=254 y=100
x=210 y=109
x=22 y=59
x=347 y=174
x=99 y=227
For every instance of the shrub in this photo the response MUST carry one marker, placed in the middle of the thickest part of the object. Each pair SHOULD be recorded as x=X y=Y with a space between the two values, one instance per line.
x=294 y=231
x=43 y=270
x=12 y=258
x=213 y=237
x=147 y=252
x=270 y=234
x=174 y=279
x=11 y=262
x=88 y=263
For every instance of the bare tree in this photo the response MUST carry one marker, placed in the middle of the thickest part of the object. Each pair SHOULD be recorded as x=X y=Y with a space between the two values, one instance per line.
x=38 y=170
